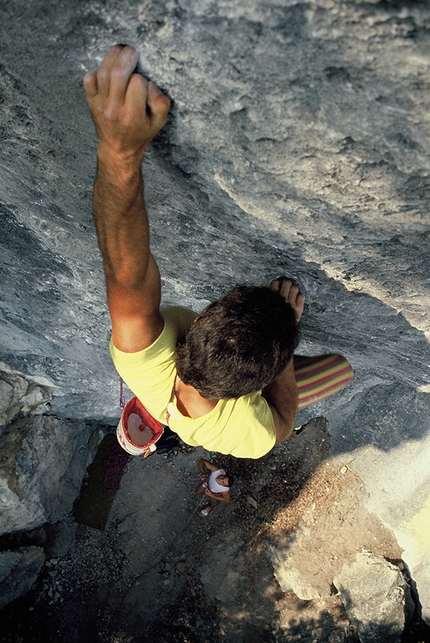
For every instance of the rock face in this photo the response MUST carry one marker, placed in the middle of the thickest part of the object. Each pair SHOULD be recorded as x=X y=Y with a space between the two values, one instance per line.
x=333 y=545
x=21 y=396
x=297 y=143
x=377 y=598
x=332 y=503
x=43 y=459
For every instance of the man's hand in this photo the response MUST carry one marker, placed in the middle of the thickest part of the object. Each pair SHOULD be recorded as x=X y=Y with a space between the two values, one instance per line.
x=127 y=109
x=291 y=293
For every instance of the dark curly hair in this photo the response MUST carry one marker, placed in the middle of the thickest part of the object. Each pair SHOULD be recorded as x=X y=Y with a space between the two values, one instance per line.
x=239 y=343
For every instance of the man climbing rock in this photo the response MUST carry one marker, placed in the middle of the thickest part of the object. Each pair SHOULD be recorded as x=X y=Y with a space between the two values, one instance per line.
x=224 y=379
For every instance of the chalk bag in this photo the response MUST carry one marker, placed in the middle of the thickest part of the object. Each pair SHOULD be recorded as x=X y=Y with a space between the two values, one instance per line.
x=146 y=429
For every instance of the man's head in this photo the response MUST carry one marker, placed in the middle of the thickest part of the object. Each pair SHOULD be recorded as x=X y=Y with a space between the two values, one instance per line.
x=225 y=480
x=239 y=343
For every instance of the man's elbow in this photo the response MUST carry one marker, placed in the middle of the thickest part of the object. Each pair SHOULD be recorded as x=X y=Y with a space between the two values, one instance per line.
x=284 y=431
x=284 y=423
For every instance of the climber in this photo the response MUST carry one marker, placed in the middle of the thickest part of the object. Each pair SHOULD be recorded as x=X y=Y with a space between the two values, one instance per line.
x=223 y=379
x=216 y=486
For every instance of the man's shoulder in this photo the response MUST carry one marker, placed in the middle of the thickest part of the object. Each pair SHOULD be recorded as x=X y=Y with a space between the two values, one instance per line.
x=252 y=419
x=253 y=404
x=178 y=315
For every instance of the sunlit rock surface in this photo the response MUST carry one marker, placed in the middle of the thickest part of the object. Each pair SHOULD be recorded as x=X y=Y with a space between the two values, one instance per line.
x=376 y=597
x=297 y=143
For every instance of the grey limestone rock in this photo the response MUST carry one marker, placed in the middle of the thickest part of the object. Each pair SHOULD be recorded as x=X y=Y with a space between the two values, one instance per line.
x=326 y=526
x=60 y=537
x=43 y=463
x=377 y=598
x=20 y=396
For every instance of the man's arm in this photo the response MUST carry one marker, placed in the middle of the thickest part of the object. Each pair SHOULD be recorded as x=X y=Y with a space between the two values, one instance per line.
x=205 y=463
x=281 y=394
x=128 y=111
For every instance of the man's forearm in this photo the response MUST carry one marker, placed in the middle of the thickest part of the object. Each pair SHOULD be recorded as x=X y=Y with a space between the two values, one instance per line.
x=206 y=466
x=283 y=397
x=121 y=219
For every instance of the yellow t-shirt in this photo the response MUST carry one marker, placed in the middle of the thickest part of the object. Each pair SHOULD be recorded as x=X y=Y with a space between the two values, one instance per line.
x=243 y=427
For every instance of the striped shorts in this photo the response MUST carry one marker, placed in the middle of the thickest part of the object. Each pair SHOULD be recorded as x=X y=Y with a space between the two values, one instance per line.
x=320 y=377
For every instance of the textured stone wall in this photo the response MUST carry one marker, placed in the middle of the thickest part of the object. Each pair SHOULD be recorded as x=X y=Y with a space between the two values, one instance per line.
x=297 y=143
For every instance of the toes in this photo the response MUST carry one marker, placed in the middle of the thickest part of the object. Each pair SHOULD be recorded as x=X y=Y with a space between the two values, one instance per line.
x=276 y=284
x=290 y=291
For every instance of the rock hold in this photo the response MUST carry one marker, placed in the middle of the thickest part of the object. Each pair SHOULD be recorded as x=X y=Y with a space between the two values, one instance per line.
x=20 y=396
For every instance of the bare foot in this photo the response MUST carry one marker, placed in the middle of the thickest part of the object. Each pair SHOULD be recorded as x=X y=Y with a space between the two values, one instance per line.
x=291 y=293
